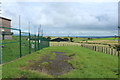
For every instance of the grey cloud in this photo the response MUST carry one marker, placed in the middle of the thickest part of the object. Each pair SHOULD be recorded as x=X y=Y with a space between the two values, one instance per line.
x=66 y=17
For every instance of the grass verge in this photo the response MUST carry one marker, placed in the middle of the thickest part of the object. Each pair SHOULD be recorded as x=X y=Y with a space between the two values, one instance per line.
x=87 y=64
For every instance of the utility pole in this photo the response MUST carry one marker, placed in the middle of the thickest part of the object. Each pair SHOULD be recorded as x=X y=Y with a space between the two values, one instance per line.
x=118 y=39
x=42 y=38
x=20 y=40
x=19 y=21
x=42 y=32
x=39 y=28
x=34 y=31
x=0 y=7
x=29 y=27
x=0 y=42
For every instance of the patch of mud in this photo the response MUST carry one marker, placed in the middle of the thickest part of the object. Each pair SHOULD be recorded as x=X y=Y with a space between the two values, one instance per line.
x=59 y=52
x=55 y=67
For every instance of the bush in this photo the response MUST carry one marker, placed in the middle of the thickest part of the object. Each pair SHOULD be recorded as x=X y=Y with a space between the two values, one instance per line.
x=89 y=38
x=71 y=39
x=49 y=38
x=66 y=39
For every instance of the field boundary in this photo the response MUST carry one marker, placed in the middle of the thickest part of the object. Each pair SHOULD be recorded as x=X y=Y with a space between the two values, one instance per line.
x=33 y=41
x=103 y=49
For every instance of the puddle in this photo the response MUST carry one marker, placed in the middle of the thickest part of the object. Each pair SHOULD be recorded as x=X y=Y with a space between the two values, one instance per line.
x=55 y=67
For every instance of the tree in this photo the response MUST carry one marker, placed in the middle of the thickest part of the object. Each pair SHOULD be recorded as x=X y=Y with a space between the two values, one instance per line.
x=49 y=38
x=89 y=38
x=66 y=39
x=71 y=39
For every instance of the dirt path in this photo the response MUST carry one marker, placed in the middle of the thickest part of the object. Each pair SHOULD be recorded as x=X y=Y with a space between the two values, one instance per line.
x=55 y=67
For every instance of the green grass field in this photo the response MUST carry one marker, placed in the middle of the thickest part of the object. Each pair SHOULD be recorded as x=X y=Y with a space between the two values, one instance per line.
x=11 y=49
x=105 y=38
x=76 y=39
x=93 y=40
x=86 y=63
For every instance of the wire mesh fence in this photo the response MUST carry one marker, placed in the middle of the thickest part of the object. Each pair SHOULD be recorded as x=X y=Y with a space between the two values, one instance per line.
x=20 y=44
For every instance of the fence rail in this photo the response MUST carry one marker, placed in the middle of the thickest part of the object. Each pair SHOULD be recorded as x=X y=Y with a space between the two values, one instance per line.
x=22 y=44
x=103 y=49
x=64 y=44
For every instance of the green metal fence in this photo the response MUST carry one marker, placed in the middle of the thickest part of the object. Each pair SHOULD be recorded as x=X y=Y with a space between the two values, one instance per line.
x=21 y=44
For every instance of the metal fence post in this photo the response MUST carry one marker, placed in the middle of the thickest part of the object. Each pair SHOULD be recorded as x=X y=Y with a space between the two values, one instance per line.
x=20 y=43
x=35 y=42
x=29 y=44
x=38 y=42
x=41 y=42
x=48 y=43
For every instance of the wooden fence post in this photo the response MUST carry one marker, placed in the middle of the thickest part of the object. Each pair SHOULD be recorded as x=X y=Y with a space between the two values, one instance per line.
x=111 y=51
x=98 y=49
x=106 y=50
x=95 y=48
x=102 y=49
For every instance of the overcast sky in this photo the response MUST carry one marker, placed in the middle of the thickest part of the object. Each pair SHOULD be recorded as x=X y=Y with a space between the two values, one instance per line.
x=64 y=18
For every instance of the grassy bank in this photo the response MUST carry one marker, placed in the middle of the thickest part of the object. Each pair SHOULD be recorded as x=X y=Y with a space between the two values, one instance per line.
x=11 y=48
x=86 y=63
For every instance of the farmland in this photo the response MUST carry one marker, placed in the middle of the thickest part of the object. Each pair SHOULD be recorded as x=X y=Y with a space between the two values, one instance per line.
x=104 y=45
x=86 y=63
x=94 y=41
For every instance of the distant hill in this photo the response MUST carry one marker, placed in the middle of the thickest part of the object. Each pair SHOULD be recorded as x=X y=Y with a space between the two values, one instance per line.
x=88 y=36
x=96 y=36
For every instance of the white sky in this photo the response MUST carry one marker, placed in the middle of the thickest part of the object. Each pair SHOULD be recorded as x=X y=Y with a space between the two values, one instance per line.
x=78 y=18
x=61 y=0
